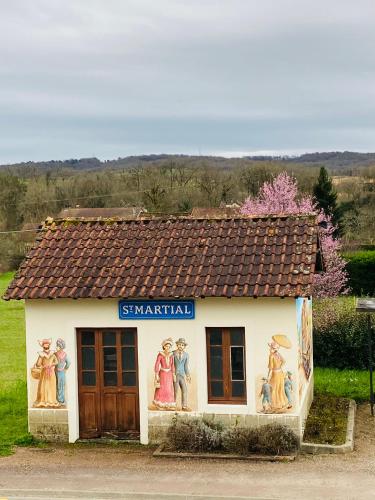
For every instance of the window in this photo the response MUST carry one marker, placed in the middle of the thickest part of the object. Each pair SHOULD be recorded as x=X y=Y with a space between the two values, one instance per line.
x=226 y=365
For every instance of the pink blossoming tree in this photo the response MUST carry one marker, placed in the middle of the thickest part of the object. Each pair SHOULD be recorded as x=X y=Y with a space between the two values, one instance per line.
x=280 y=196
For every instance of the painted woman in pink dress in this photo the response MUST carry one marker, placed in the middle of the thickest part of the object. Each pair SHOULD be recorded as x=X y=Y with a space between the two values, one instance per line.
x=164 y=378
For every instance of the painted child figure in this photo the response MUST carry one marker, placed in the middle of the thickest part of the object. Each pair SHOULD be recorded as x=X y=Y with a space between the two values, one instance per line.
x=288 y=385
x=266 y=395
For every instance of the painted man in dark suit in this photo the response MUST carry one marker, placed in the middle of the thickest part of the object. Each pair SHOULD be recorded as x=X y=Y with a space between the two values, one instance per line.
x=181 y=363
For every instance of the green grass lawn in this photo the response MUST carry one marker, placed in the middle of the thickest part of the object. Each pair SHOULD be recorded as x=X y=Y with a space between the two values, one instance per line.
x=13 y=400
x=353 y=384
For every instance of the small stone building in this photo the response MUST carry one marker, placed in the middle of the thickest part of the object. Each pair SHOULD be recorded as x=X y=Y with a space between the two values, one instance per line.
x=131 y=321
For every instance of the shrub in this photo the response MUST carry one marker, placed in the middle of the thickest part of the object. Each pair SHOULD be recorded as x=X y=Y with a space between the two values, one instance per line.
x=242 y=440
x=194 y=434
x=213 y=424
x=275 y=439
x=199 y=435
x=340 y=334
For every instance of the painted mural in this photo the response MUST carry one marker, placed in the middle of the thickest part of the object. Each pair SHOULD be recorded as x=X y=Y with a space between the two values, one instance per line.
x=49 y=370
x=304 y=329
x=276 y=389
x=63 y=364
x=171 y=377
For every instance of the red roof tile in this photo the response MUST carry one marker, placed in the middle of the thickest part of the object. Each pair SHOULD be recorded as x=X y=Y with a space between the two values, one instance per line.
x=182 y=257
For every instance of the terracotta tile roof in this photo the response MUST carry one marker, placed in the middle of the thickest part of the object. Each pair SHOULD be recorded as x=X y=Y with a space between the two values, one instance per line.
x=182 y=257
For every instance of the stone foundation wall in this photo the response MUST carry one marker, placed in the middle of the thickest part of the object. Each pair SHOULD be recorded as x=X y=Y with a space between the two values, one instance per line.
x=52 y=425
x=49 y=425
x=158 y=422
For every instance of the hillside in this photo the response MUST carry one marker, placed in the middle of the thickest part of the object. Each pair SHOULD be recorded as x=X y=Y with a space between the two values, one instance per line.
x=336 y=161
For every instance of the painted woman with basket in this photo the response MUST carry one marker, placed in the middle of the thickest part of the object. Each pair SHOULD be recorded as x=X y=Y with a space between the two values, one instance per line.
x=44 y=371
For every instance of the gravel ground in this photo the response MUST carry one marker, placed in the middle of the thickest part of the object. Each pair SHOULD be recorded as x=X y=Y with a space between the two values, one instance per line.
x=131 y=469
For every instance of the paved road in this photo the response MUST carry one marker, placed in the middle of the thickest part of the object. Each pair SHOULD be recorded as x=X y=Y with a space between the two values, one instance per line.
x=127 y=472
x=78 y=495
x=127 y=476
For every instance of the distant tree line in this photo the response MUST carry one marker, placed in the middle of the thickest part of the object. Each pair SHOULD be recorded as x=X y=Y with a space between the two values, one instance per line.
x=168 y=184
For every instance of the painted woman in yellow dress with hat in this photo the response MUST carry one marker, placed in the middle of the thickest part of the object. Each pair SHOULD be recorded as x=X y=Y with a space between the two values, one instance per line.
x=276 y=377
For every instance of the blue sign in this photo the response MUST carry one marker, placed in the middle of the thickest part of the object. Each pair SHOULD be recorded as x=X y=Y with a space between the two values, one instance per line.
x=156 y=309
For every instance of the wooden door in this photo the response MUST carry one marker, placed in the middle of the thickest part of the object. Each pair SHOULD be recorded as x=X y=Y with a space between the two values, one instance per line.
x=108 y=383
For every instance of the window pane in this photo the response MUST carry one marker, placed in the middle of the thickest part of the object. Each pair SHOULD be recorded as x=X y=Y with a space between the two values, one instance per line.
x=236 y=375
x=236 y=336
x=216 y=336
x=128 y=358
x=129 y=379
x=88 y=378
x=238 y=389
x=128 y=337
x=109 y=338
x=110 y=358
x=88 y=338
x=216 y=363
x=88 y=358
x=110 y=378
x=217 y=389
x=237 y=363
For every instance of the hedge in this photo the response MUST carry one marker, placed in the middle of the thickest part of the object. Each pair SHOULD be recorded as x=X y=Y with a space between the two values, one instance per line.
x=340 y=334
x=361 y=269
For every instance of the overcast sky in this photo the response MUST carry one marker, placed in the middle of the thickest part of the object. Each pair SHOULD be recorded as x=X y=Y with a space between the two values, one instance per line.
x=111 y=78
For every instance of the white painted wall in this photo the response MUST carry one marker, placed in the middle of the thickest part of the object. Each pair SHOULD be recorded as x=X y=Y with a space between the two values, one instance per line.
x=261 y=319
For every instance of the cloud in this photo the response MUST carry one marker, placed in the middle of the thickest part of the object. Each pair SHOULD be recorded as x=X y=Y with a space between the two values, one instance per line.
x=138 y=76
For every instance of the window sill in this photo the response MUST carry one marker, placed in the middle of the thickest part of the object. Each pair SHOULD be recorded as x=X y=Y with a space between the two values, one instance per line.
x=227 y=403
x=227 y=408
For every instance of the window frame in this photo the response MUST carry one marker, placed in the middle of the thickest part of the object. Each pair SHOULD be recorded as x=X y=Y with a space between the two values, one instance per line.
x=227 y=398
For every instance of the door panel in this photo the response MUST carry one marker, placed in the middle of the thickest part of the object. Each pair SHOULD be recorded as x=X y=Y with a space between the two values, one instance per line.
x=88 y=415
x=127 y=404
x=108 y=383
x=109 y=412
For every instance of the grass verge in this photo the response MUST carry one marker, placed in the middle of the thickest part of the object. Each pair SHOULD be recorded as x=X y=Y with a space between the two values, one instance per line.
x=13 y=397
x=12 y=338
x=327 y=420
x=13 y=418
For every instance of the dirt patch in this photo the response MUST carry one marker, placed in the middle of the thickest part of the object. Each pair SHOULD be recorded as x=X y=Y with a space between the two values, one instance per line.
x=327 y=420
x=364 y=443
